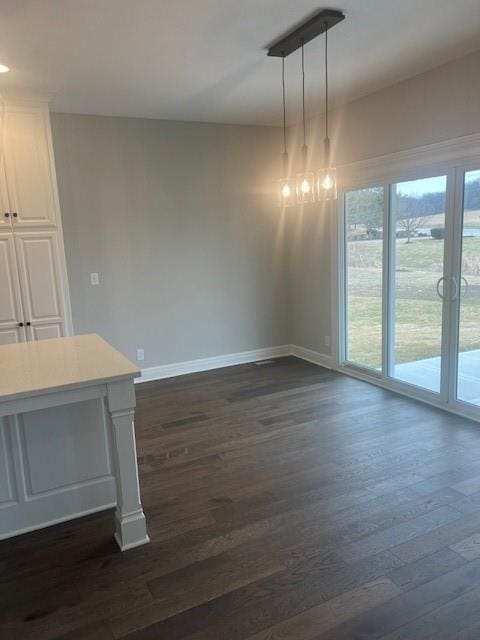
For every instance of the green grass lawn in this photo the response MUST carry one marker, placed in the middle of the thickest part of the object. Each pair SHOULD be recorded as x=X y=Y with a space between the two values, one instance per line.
x=418 y=309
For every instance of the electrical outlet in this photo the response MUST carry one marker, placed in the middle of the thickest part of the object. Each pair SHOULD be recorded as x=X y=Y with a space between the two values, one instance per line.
x=327 y=341
x=140 y=354
x=94 y=279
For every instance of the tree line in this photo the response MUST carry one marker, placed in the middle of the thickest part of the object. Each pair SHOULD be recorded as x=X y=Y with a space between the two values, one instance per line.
x=365 y=207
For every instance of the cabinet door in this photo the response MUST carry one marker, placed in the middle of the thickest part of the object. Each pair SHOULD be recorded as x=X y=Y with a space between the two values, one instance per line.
x=42 y=294
x=11 y=314
x=45 y=331
x=28 y=168
x=5 y=213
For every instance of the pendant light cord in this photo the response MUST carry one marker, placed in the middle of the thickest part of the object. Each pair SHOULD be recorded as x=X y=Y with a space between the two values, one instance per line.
x=284 y=108
x=326 y=80
x=303 y=97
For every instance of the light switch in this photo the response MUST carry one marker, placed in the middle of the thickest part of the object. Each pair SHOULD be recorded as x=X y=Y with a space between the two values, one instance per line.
x=94 y=279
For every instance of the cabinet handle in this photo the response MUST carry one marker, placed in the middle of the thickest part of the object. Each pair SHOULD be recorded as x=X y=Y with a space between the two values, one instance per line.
x=7 y=215
x=29 y=324
x=15 y=215
x=20 y=324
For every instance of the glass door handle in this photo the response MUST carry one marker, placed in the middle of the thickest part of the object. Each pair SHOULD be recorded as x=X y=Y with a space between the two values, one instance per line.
x=454 y=295
x=439 y=282
x=463 y=279
x=455 y=289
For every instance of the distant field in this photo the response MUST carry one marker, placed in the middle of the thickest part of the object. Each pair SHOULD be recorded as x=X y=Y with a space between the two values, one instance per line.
x=471 y=219
x=418 y=308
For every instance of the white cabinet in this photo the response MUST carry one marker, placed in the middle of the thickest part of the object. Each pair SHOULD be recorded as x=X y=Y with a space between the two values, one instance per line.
x=12 y=327
x=34 y=302
x=30 y=188
x=32 y=299
x=39 y=275
x=5 y=218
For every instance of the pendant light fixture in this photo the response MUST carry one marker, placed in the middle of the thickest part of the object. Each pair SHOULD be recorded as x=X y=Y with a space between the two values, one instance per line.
x=305 y=187
x=286 y=191
x=287 y=44
x=327 y=178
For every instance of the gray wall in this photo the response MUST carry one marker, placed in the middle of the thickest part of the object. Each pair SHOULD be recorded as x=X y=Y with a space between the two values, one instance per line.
x=441 y=104
x=178 y=220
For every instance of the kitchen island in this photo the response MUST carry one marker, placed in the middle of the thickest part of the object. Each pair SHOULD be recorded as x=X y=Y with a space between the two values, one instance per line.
x=67 y=438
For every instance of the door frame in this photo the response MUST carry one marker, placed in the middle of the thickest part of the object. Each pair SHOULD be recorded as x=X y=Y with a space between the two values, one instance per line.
x=455 y=306
x=450 y=158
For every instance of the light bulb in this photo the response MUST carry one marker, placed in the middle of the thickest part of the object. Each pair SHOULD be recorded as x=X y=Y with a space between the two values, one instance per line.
x=327 y=182
x=286 y=191
x=305 y=186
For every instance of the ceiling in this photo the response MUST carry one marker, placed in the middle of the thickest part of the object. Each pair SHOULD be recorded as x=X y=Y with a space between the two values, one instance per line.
x=205 y=60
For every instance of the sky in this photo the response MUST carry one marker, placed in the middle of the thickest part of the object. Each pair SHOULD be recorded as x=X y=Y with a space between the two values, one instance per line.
x=471 y=176
x=430 y=185
x=420 y=187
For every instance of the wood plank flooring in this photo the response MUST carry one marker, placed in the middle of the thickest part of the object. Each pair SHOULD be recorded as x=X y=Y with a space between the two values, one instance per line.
x=284 y=502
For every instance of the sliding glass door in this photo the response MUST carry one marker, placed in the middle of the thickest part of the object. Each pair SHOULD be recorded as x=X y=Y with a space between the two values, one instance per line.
x=364 y=210
x=411 y=288
x=417 y=258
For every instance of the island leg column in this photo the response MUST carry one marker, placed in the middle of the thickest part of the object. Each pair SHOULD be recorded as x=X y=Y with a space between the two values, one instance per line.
x=130 y=525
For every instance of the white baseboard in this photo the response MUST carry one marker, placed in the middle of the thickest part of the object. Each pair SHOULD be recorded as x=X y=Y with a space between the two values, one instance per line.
x=217 y=362
x=231 y=359
x=315 y=357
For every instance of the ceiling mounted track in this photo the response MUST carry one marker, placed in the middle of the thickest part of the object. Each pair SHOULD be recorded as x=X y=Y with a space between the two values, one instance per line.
x=313 y=27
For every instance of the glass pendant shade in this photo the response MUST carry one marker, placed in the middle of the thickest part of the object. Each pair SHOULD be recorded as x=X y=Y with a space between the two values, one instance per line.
x=305 y=187
x=285 y=186
x=286 y=193
x=327 y=184
x=305 y=183
x=327 y=177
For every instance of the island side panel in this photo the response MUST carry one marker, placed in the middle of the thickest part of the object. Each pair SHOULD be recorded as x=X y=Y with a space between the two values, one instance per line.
x=57 y=465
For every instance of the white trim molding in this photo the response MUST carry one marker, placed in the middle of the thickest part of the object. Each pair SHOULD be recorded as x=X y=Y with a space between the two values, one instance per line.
x=409 y=391
x=215 y=362
x=410 y=162
x=321 y=359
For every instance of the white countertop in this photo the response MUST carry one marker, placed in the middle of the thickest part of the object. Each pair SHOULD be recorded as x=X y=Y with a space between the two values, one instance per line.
x=32 y=368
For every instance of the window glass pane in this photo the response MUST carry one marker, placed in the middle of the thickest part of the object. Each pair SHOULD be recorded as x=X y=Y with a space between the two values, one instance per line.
x=418 y=217
x=468 y=385
x=364 y=260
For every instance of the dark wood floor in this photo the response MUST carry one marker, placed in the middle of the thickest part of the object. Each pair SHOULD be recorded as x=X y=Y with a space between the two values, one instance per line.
x=283 y=501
